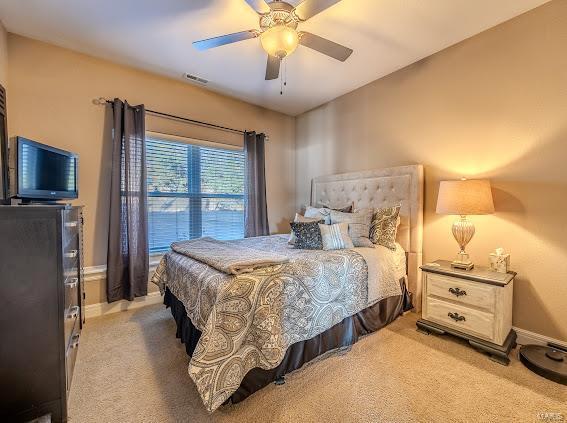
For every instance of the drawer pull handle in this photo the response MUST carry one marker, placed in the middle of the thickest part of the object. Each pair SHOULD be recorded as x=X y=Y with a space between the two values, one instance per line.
x=72 y=224
x=71 y=254
x=72 y=313
x=456 y=317
x=74 y=341
x=457 y=292
x=72 y=283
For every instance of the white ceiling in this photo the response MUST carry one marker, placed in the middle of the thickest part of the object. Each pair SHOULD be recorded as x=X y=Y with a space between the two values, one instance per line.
x=156 y=35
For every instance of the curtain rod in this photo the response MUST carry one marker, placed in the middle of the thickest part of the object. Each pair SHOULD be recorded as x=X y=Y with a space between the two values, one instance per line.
x=101 y=101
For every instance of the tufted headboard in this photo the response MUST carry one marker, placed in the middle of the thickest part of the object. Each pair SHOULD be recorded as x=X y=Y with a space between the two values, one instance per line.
x=381 y=188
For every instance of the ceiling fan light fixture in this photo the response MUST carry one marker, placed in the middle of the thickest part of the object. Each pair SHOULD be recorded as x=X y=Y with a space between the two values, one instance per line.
x=279 y=37
x=279 y=41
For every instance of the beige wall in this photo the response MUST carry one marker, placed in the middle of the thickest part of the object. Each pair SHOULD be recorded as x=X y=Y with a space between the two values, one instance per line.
x=50 y=100
x=492 y=106
x=3 y=56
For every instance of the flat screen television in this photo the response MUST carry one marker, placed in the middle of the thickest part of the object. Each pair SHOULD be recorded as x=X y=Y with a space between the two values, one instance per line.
x=39 y=172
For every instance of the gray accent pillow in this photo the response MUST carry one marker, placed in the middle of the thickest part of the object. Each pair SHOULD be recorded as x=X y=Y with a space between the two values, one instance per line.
x=335 y=237
x=358 y=225
x=300 y=218
x=345 y=209
x=384 y=226
x=308 y=235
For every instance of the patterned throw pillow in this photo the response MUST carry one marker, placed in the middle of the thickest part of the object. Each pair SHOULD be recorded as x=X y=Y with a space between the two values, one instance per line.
x=384 y=227
x=300 y=218
x=358 y=225
x=308 y=235
x=335 y=237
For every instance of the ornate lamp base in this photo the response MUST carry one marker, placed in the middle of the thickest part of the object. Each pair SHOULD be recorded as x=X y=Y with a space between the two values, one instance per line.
x=462 y=263
x=463 y=231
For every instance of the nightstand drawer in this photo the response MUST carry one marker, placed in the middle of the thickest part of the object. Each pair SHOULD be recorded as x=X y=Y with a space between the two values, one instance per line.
x=461 y=291
x=462 y=318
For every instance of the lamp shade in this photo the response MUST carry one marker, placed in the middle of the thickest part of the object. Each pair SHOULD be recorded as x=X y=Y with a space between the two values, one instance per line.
x=280 y=41
x=465 y=197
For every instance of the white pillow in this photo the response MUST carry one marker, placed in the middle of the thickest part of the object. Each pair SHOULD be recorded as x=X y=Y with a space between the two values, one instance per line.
x=321 y=213
x=300 y=218
x=335 y=237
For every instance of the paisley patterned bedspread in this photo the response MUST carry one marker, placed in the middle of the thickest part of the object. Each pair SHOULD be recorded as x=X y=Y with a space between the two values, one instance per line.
x=249 y=320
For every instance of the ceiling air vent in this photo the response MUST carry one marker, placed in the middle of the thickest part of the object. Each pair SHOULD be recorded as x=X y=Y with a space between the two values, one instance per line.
x=196 y=79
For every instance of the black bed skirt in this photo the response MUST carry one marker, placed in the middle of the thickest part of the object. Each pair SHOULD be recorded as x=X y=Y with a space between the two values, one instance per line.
x=343 y=334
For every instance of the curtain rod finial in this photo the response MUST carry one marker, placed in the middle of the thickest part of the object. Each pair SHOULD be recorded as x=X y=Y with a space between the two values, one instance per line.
x=100 y=101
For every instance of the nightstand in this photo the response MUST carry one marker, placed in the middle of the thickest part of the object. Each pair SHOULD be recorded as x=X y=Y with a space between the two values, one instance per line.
x=475 y=305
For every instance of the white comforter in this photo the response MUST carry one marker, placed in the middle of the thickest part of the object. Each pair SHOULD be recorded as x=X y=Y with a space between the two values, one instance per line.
x=385 y=269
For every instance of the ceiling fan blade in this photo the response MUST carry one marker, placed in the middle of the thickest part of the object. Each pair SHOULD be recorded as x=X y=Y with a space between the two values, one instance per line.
x=322 y=45
x=309 y=8
x=225 y=39
x=259 y=6
x=273 y=68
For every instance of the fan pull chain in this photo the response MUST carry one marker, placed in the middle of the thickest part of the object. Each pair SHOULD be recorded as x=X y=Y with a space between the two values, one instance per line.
x=283 y=75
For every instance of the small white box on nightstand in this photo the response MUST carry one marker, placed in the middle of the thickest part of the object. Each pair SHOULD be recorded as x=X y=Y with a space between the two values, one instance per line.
x=499 y=262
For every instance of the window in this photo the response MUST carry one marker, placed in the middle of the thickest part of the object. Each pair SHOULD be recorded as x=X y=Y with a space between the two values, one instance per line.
x=193 y=191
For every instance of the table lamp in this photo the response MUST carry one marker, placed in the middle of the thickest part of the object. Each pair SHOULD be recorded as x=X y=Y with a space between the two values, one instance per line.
x=462 y=198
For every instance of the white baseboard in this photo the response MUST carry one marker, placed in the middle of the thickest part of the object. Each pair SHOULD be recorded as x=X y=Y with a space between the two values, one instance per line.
x=526 y=337
x=102 y=309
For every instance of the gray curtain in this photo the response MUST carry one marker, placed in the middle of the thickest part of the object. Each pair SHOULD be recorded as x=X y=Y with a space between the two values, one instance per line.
x=255 y=207
x=127 y=260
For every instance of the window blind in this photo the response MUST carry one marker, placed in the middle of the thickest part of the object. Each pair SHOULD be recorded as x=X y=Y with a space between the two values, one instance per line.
x=193 y=191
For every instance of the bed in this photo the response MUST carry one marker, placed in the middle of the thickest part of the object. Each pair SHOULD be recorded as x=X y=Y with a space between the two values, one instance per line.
x=244 y=330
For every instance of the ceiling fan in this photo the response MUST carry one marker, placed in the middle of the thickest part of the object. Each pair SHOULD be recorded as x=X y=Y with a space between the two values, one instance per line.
x=278 y=32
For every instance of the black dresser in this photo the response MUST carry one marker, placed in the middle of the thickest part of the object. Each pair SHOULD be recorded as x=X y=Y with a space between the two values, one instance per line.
x=41 y=308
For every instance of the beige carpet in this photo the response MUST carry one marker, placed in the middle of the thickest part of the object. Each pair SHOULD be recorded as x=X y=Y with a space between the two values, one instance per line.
x=131 y=368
